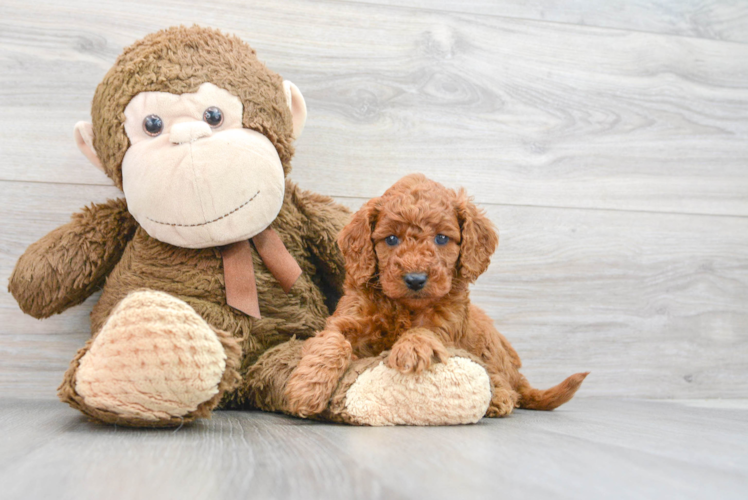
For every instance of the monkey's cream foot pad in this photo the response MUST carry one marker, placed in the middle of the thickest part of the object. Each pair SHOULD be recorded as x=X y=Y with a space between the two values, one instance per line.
x=451 y=393
x=154 y=358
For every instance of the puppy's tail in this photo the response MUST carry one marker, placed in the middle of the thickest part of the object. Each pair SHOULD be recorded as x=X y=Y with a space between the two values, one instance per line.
x=549 y=399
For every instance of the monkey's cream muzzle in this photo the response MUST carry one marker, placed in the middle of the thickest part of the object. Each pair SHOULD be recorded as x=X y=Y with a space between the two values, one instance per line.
x=194 y=185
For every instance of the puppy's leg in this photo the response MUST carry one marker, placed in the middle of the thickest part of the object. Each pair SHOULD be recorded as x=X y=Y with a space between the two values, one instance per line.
x=325 y=358
x=501 y=360
x=504 y=398
x=416 y=350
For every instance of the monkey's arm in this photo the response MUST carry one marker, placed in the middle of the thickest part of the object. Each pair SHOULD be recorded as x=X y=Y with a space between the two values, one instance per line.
x=325 y=219
x=67 y=265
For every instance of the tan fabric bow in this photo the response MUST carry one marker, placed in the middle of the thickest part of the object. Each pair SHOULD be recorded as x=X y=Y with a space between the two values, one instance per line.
x=239 y=273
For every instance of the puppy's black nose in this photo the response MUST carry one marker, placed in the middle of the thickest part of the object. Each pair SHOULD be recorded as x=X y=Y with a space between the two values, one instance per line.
x=415 y=281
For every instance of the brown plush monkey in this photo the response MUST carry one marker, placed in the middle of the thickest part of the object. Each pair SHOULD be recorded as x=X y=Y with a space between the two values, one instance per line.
x=199 y=136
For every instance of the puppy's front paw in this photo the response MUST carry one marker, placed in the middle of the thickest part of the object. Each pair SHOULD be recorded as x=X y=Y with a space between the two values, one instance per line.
x=324 y=360
x=415 y=353
x=307 y=397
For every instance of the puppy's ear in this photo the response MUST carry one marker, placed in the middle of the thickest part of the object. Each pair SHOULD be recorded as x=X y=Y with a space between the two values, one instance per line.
x=479 y=238
x=356 y=245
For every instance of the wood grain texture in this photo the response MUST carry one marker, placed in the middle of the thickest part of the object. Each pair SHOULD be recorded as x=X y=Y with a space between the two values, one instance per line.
x=593 y=150
x=713 y=19
x=652 y=304
x=520 y=112
x=586 y=449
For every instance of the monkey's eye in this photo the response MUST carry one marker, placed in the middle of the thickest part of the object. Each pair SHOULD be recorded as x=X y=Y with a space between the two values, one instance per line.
x=441 y=239
x=392 y=240
x=213 y=116
x=153 y=125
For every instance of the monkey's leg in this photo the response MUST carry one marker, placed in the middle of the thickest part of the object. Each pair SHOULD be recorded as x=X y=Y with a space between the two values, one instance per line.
x=369 y=393
x=154 y=363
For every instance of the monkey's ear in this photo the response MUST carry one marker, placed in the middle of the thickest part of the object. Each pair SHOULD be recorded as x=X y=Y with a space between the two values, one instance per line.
x=297 y=106
x=84 y=141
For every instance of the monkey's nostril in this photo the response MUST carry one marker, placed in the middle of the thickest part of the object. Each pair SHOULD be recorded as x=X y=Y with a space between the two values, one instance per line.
x=415 y=281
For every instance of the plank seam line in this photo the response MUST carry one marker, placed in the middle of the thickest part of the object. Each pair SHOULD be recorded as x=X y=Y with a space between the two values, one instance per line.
x=482 y=203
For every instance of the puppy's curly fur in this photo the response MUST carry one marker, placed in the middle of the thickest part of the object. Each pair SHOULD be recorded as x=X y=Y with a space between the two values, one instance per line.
x=420 y=229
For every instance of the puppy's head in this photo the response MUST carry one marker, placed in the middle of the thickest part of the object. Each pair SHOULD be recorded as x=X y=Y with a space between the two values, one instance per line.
x=416 y=240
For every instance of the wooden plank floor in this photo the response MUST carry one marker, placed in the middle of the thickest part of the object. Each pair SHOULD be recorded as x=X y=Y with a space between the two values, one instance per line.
x=587 y=449
x=610 y=155
x=607 y=140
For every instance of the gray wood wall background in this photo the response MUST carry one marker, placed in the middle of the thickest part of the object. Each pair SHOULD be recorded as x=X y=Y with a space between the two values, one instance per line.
x=607 y=140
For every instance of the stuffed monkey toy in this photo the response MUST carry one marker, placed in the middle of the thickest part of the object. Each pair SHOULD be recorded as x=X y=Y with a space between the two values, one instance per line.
x=214 y=266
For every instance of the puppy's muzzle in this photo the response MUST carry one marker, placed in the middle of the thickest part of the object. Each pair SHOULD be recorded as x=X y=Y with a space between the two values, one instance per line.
x=415 y=281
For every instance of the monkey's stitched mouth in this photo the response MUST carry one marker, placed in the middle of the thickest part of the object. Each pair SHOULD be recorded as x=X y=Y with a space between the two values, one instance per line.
x=210 y=221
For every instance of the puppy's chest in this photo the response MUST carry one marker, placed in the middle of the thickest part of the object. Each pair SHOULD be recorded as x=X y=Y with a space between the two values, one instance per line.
x=382 y=335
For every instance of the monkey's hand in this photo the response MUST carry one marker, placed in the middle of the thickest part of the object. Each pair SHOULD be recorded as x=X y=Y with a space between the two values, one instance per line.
x=67 y=265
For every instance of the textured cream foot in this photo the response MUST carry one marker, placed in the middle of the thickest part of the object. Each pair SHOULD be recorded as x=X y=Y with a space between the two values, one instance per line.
x=455 y=392
x=155 y=358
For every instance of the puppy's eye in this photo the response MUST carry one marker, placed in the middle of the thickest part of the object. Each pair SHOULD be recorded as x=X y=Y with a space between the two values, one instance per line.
x=213 y=116
x=153 y=125
x=392 y=240
x=441 y=239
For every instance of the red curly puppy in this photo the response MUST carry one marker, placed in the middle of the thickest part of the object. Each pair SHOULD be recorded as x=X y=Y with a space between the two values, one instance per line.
x=410 y=256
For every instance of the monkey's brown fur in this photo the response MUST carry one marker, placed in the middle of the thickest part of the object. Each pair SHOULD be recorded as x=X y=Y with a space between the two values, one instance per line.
x=104 y=247
x=380 y=313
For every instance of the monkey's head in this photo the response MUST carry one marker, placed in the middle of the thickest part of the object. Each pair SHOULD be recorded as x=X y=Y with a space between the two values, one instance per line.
x=198 y=133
